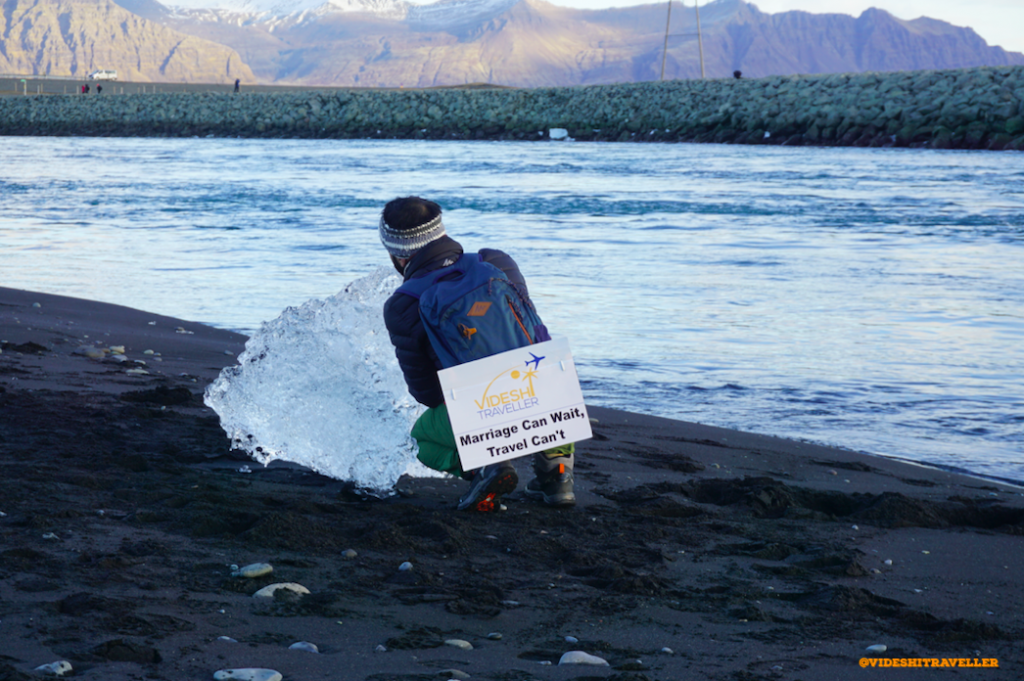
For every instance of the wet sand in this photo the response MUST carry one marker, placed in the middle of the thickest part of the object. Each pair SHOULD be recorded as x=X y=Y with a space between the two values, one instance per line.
x=694 y=552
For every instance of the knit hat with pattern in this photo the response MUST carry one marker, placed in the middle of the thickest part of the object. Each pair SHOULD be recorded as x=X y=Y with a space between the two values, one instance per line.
x=402 y=243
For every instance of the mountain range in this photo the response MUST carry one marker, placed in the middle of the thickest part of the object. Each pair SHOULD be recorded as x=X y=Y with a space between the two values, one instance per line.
x=527 y=43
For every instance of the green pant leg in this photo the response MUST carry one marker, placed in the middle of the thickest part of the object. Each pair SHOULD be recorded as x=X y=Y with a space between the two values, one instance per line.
x=549 y=459
x=562 y=450
x=437 y=449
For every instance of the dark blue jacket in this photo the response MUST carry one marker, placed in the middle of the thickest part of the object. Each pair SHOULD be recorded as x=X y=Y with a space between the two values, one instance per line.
x=402 y=316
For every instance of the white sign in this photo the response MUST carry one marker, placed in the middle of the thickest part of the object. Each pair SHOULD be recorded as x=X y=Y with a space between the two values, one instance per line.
x=515 y=403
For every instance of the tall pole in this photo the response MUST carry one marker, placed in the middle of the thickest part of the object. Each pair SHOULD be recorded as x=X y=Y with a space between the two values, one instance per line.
x=664 y=51
x=700 y=39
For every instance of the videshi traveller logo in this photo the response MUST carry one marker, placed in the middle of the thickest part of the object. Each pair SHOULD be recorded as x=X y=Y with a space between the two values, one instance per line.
x=510 y=391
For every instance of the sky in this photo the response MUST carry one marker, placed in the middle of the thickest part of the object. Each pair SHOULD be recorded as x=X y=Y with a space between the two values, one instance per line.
x=999 y=22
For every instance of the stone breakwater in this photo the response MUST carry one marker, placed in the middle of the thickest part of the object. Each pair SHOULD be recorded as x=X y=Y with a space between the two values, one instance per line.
x=979 y=108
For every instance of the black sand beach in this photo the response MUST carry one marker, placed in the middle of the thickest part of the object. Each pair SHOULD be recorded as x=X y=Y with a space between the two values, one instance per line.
x=694 y=552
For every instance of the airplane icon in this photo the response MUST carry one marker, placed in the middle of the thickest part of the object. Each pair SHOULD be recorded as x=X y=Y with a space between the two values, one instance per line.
x=535 y=361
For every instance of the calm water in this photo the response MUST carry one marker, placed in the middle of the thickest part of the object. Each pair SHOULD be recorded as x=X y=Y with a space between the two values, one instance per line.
x=872 y=299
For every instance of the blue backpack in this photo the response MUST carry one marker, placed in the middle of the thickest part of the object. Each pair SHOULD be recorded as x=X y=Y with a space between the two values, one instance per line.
x=471 y=310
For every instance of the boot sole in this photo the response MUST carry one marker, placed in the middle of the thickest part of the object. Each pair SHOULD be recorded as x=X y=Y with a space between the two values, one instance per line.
x=490 y=499
x=555 y=500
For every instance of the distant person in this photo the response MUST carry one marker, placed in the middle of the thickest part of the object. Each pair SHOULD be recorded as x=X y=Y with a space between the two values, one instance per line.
x=99 y=89
x=84 y=86
x=238 y=83
x=414 y=236
x=737 y=74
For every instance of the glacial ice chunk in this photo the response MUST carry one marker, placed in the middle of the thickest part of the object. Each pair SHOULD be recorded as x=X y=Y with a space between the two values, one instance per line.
x=320 y=386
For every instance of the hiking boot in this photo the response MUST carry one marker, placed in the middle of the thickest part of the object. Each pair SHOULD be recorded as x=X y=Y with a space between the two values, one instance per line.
x=553 y=487
x=487 y=487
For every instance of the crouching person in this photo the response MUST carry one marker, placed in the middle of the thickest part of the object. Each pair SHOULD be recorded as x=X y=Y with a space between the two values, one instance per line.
x=414 y=236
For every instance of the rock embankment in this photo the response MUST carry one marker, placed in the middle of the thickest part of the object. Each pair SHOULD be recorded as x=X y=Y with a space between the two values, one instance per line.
x=979 y=108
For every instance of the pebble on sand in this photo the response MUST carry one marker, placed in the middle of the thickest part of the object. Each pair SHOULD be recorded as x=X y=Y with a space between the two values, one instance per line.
x=456 y=674
x=580 y=657
x=406 y=566
x=248 y=674
x=494 y=636
x=459 y=643
x=571 y=639
x=304 y=645
x=876 y=649
x=91 y=352
x=59 y=668
x=349 y=553
x=268 y=591
x=252 y=571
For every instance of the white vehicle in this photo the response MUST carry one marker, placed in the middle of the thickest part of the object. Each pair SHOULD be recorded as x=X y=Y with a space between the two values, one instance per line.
x=103 y=74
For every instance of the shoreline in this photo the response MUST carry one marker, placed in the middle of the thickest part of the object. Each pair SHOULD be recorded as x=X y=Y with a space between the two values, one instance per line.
x=745 y=556
x=981 y=108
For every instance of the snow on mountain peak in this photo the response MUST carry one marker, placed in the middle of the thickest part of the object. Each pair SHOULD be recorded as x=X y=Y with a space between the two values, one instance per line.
x=282 y=8
x=440 y=13
x=447 y=12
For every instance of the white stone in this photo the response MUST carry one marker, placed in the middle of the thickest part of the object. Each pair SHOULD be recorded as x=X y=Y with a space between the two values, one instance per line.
x=405 y=567
x=571 y=639
x=888 y=562
x=147 y=352
x=36 y=305
x=667 y=651
x=876 y=649
x=117 y=349
x=137 y=372
x=248 y=674
x=459 y=643
x=252 y=571
x=558 y=133
x=59 y=668
x=227 y=639
x=580 y=657
x=268 y=591
x=380 y=649
x=494 y=636
x=349 y=553
x=91 y=352
x=304 y=645
x=456 y=674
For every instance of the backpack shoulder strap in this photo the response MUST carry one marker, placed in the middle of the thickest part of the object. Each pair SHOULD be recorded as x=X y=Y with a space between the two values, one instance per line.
x=417 y=286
